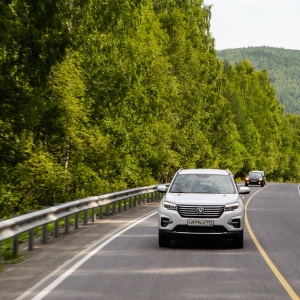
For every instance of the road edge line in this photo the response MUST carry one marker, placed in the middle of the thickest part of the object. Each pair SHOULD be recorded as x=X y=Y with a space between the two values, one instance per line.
x=91 y=250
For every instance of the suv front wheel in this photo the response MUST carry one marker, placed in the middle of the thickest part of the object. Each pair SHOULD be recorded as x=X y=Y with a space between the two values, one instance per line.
x=238 y=241
x=163 y=241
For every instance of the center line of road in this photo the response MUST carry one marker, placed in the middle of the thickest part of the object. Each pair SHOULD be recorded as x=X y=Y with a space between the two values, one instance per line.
x=263 y=253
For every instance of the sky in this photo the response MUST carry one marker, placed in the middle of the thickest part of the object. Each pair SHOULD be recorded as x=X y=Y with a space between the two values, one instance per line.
x=254 y=23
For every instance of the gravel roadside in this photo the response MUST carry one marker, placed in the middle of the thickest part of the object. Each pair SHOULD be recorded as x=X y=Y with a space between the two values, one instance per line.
x=17 y=278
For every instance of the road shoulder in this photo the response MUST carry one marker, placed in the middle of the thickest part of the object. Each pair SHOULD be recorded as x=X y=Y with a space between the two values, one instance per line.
x=16 y=279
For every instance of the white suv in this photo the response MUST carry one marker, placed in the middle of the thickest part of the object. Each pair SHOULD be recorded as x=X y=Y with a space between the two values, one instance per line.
x=201 y=203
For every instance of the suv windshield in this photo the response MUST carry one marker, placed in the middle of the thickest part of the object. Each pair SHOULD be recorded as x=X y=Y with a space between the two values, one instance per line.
x=255 y=174
x=202 y=183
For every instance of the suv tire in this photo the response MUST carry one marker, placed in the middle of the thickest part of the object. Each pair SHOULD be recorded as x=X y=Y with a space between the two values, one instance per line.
x=163 y=241
x=238 y=242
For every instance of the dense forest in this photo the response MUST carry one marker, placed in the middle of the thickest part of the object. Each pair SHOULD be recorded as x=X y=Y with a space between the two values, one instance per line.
x=100 y=96
x=282 y=65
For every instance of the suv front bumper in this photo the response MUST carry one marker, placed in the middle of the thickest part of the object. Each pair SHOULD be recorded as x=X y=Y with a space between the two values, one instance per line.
x=173 y=234
x=229 y=225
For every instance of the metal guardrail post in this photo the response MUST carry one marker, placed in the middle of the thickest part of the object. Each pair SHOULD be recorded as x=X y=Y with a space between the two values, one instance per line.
x=114 y=207
x=93 y=215
x=44 y=233
x=1 y=256
x=130 y=202
x=100 y=212
x=142 y=199
x=15 y=245
x=85 y=217
x=76 y=221
x=56 y=228
x=30 y=240
x=67 y=224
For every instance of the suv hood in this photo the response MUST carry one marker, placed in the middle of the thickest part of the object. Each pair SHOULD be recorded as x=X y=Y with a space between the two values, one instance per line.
x=201 y=199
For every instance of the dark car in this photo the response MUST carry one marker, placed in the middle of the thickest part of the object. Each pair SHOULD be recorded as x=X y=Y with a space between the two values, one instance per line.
x=256 y=178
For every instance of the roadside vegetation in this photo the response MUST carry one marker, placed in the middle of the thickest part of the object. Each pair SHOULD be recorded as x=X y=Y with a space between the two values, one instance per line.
x=282 y=65
x=100 y=96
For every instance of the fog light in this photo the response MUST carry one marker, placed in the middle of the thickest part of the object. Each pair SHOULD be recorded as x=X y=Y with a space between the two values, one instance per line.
x=164 y=222
x=236 y=223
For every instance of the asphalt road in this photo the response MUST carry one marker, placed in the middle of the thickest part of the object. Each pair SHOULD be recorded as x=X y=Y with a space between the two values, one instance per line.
x=128 y=264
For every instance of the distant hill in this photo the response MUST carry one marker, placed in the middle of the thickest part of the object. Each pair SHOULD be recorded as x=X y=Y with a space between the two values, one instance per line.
x=283 y=68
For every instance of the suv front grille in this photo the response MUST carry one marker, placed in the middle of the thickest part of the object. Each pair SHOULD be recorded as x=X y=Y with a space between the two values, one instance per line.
x=200 y=211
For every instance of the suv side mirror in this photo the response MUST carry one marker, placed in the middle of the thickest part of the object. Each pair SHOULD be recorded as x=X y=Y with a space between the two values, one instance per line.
x=162 y=188
x=244 y=190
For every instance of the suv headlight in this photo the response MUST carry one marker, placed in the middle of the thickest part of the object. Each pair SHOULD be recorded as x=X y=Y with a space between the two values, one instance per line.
x=232 y=207
x=169 y=206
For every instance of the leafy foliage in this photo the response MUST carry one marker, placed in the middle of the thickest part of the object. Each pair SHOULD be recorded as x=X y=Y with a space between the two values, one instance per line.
x=99 y=96
x=282 y=66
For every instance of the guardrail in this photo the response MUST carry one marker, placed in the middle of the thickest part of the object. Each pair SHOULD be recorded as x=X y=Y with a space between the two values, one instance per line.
x=105 y=204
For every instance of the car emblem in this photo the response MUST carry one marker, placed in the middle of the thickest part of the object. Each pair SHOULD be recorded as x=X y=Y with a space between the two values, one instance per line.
x=200 y=210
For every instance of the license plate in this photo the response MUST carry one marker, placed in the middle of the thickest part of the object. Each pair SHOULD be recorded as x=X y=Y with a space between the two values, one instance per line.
x=207 y=223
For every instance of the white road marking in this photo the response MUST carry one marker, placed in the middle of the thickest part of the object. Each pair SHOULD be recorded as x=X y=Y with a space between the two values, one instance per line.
x=103 y=242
